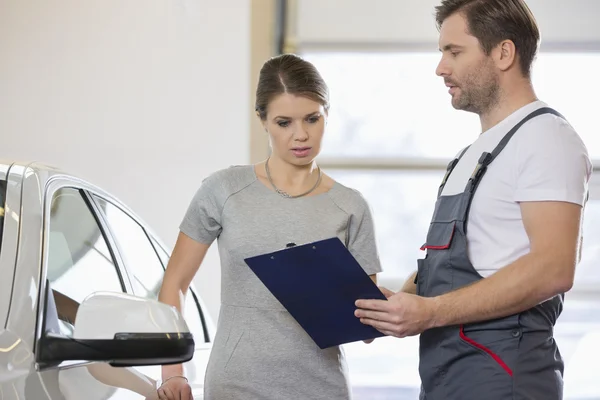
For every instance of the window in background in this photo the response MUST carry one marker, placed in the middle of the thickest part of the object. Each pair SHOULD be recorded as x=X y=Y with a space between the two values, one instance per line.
x=390 y=105
x=393 y=104
x=402 y=203
x=392 y=108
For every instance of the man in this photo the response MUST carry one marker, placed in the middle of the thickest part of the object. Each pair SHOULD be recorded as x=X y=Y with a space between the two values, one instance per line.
x=505 y=235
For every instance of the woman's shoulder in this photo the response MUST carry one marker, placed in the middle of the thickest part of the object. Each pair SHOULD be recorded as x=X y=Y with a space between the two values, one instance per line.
x=227 y=181
x=348 y=198
x=234 y=173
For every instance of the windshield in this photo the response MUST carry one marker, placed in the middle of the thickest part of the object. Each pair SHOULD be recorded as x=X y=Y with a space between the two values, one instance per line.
x=2 y=198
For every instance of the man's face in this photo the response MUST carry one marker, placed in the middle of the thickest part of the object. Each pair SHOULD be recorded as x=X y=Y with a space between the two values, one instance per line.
x=468 y=72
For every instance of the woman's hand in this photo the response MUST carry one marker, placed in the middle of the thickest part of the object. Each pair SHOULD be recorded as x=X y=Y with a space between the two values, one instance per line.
x=175 y=388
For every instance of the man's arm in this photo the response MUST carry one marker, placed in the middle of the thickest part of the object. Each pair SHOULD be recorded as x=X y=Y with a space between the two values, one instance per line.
x=548 y=269
x=553 y=229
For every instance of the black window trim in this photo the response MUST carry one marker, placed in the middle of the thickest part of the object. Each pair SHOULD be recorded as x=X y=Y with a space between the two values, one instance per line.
x=3 y=190
x=110 y=241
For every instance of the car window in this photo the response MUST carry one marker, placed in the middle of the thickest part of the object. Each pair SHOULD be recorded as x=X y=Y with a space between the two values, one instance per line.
x=79 y=261
x=145 y=262
x=2 y=200
x=142 y=262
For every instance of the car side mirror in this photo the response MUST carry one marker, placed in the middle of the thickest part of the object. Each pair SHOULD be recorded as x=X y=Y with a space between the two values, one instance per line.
x=122 y=330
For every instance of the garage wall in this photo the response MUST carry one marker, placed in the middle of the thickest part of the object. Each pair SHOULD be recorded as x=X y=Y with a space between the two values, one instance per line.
x=141 y=97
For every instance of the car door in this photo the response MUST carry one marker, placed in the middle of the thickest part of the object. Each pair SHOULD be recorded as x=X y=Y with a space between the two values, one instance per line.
x=80 y=260
x=145 y=261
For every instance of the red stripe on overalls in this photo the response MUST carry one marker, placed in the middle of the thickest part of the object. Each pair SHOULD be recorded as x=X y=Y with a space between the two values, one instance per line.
x=482 y=347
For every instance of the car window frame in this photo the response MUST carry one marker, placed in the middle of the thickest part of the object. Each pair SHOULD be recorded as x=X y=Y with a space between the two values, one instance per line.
x=3 y=190
x=52 y=187
x=115 y=203
x=154 y=242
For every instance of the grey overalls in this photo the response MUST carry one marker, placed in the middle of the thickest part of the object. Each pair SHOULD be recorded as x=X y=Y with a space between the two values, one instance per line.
x=509 y=358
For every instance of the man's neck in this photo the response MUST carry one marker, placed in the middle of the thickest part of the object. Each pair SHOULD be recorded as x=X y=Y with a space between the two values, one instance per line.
x=512 y=98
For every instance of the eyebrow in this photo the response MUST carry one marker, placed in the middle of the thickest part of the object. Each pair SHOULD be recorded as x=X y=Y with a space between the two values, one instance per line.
x=451 y=46
x=307 y=115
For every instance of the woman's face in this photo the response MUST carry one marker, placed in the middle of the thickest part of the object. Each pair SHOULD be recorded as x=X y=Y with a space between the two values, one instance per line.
x=295 y=126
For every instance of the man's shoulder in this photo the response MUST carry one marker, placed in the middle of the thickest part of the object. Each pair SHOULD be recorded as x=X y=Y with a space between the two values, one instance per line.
x=549 y=132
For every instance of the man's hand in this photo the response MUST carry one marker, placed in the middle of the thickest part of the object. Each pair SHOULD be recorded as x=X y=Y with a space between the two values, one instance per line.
x=401 y=315
x=387 y=293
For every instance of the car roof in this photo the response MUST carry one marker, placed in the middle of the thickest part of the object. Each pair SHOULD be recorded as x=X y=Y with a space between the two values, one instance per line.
x=44 y=173
x=48 y=171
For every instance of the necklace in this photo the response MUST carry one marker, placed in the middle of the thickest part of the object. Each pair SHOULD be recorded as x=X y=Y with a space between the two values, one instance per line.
x=285 y=194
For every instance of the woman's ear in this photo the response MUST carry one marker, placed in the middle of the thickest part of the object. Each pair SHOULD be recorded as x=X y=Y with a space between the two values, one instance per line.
x=262 y=122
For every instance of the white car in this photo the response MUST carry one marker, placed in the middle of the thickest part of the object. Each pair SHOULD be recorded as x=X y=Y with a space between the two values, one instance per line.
x=69 y=249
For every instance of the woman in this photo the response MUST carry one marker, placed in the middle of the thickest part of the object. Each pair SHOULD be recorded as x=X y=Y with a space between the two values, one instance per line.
x=260 y=351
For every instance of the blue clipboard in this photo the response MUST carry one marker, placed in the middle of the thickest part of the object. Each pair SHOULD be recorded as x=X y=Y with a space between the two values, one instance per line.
x=319 y=283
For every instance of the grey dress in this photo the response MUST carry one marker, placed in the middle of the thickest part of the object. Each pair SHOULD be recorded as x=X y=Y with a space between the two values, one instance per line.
x=260 y=351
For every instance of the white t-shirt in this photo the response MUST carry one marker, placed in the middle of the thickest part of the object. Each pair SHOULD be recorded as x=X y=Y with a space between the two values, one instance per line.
x=544 y=161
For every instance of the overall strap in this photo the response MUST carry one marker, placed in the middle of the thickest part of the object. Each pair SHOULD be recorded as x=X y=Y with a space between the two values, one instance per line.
x=450 y=168
x=486 y=158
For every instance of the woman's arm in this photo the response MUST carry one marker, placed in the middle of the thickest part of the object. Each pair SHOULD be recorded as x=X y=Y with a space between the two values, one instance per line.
x=185 y=261
x=409 y=285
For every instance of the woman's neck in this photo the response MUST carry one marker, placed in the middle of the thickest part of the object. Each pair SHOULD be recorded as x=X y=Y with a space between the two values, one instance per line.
x=292 y=178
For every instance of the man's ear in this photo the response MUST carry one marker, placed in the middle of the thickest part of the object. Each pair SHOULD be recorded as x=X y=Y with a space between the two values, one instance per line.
x=505 y=55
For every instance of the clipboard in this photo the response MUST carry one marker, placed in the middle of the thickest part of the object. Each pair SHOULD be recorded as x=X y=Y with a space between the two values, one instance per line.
x=318 y=283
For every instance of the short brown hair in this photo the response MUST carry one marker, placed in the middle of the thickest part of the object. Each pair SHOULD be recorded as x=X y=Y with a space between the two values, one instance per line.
x=289 y=73
x=492 y=21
